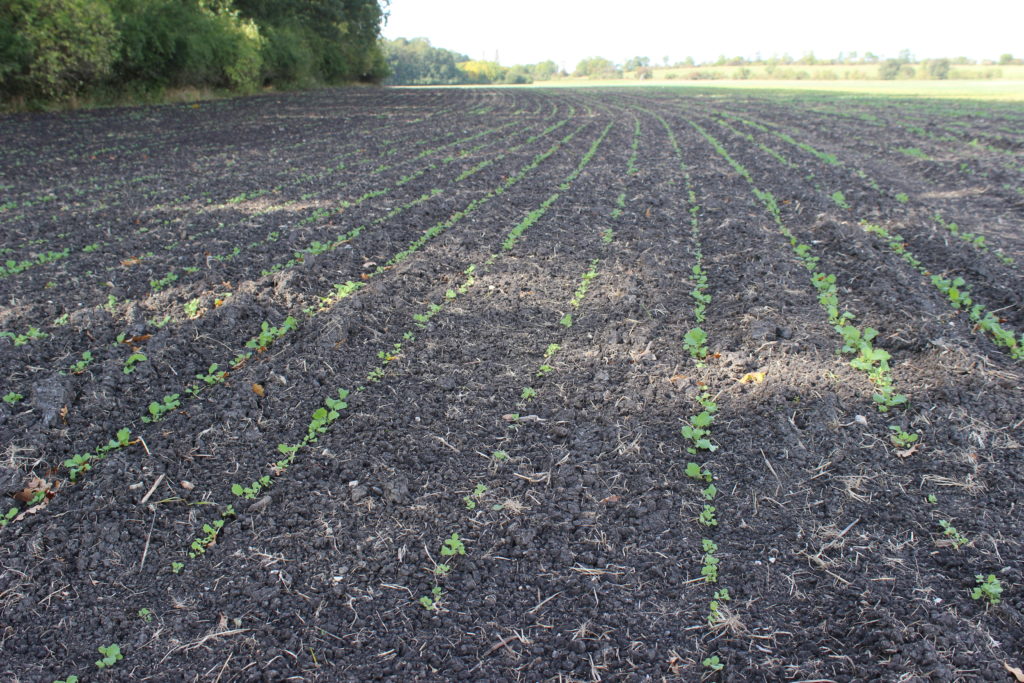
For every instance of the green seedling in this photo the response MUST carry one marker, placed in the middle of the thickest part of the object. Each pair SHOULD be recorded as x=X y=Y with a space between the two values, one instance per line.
x=210 y=533
x=715 y=606
x=430 y=601
x=11 y=397
x=83 y=462
x=713 y=663
x=544 y=370
x=528 y=393
x=21 y=339
x=269 y=334
x=499 y=456
x=551 y=350
x=213 y=375
x=111 y=656
x=164 y=282
x=954 y=535
x=132 y=361
x=709 y=492
x=192 y=309
x=453 y=546
x=158 y=409
x=694 y=471
x=471 y=499
x=932 y=498
x=697 y=432
x=250 y=492
x=840 y=200
x=566 y=320
x=695 y=342
x=989 y=589
x=900 y=438
x=78 y=367
x=145 y=614
x=707 y=516
x=709 y=570
x=176 y=567
x=902 y=197
x=61 y=320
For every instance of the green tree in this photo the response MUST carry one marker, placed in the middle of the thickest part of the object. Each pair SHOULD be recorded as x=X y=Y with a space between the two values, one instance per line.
x=417 y=62
x=636 y=62
x=50 y=49
x=937 y=68
x=544 y=71
x=597 y=67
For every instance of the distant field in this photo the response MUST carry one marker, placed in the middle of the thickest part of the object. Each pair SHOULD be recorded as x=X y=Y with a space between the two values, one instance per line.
x=1005 y=90
x=832 y=72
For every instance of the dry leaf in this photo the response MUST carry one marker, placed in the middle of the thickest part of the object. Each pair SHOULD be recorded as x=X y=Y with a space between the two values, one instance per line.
x=131 y=262
x=909 y=452
x=648 y=214
x=614 y=498
x=1015 y=672
x=187 y=485
x=64 y=414
x=217 y=303
x=752 y=378
x=258 y=390
x=34 y=486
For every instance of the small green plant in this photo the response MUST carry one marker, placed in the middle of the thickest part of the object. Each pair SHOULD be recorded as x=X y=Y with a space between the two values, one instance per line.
x=11 y=397
x=192 y=308
x=695 y=342
x=900 y=438
x=251 y=491
x=697 y=432
x=902 y=197
x=132 y=361
x=954 y=535
x=499 y=456
x=695 y=471
x=269 y=334
x=210 y=533
x=146 y=614
x=707 y=516
x=111 y=656
x=932 y=498
x=30 y=334
x=471 y=499
x=78 y=367
x=989 y=589
x=213 y=375
x=713 y=663
x=83 y=462
x=528 y=393
x=840 y=199
x=157 y=409
x=710 y=568
x=715 y=606
x=164 y=282
x=430 y=601
x=176 y=567
x=70 y=679
x=566 y=320
x=551 y=350
x=111 y=305
x=453 y=546
x=544 y=370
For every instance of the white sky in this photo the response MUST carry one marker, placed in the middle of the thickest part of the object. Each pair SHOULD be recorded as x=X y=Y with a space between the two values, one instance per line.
x=530 y=31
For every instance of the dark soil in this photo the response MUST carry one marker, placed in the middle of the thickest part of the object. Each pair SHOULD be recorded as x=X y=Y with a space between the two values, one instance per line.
x=378 y=221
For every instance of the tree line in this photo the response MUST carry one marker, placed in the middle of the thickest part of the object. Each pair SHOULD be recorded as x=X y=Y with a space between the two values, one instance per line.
x=53 y=49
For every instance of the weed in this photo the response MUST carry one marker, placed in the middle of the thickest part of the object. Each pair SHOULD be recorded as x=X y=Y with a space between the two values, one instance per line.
x=989 y=588
x=528 y=393
x=111 y=656
x=11 y=397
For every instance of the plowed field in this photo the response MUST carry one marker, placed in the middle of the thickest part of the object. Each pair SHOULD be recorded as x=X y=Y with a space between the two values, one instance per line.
x=513 y=385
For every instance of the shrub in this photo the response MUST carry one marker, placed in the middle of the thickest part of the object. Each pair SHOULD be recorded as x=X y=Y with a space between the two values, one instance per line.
x=50 y=49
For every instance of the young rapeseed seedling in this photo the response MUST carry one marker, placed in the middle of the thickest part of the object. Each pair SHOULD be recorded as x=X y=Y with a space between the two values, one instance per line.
x=989 y=588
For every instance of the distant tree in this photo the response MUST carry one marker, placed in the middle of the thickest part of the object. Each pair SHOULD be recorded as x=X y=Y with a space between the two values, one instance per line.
x=417 y=62
x=636 y=62
x=482 y=72
x=1007 y=59
x=937 y=69
x=597 y=67
x=517 y=75
x=870 y=58
x=644 y=73
x=544 y=71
